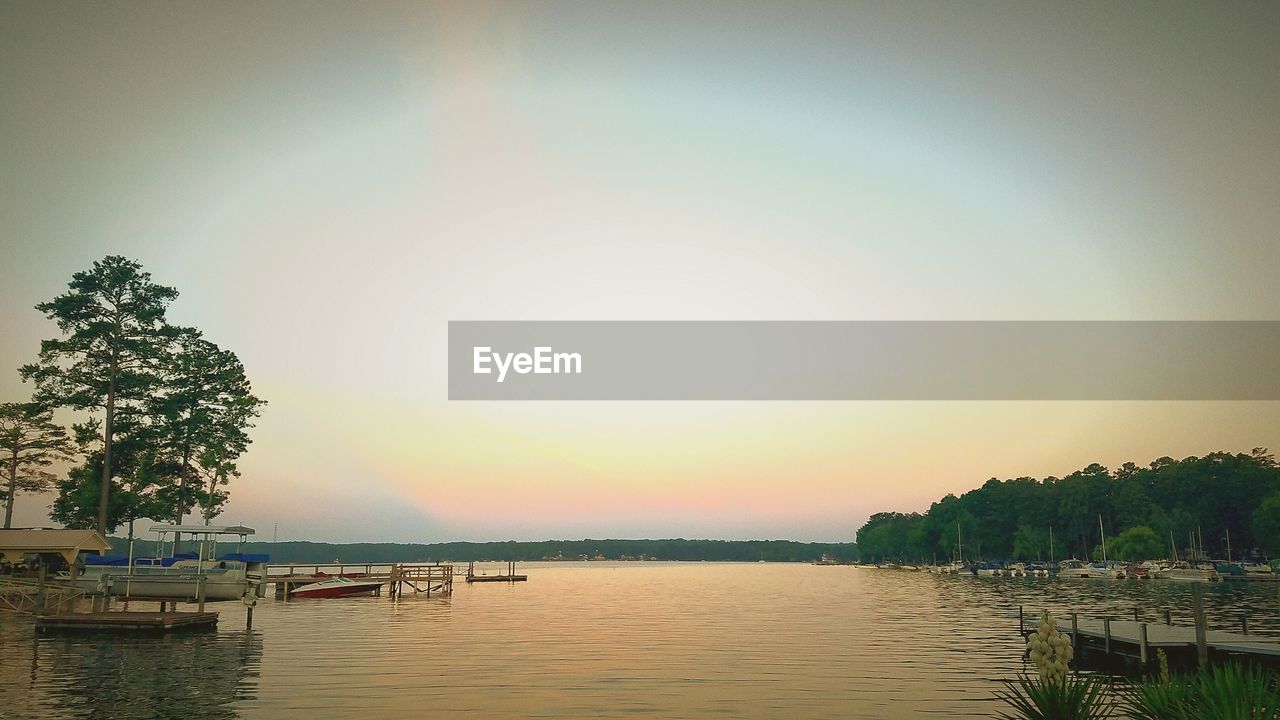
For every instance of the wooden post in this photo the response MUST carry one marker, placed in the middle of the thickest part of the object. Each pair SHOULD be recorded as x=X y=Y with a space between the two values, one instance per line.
x=1135 y=614
x=1197 y=608
x=40 y=578
x=1142 y=645
x=1244 y=623
x=75 y=572
x=1075 y=632
x=200 y=593
x=1106 y=631
x=1021 y=633
x=1168 y=617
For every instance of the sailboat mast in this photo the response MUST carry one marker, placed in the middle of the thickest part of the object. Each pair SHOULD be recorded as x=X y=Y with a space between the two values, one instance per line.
x=1104 y=538
x=1228 y=544
x=1050 y=546
x=1173 y=548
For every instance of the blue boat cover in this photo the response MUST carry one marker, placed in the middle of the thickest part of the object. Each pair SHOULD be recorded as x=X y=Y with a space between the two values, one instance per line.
x=124 y=559
x=247 y=557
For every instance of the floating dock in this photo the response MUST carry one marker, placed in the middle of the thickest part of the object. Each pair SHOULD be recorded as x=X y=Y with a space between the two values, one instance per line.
x=509 y=576
x=127 y=622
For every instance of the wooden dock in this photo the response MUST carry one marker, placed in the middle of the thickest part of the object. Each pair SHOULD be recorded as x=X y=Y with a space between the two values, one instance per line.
x=127 y=622
x=428 y=578
x=1129 y=635
x=509 y=576
x=1133 y=643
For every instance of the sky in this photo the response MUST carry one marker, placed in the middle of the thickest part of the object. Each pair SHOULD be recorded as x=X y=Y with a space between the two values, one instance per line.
x=329 y=184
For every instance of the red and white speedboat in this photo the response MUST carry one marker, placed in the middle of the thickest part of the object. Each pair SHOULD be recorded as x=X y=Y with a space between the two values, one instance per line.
x=337 y=587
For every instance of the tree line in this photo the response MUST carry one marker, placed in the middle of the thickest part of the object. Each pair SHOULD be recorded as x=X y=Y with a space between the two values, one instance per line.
x=1146 y=513
x=671 y=549
x=163 y=412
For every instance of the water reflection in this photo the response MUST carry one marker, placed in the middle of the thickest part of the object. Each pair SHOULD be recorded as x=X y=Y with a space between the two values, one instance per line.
x=602 y=640
x=197 y=676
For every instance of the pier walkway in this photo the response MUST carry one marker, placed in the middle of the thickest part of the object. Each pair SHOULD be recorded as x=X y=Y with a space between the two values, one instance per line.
x=425 y=578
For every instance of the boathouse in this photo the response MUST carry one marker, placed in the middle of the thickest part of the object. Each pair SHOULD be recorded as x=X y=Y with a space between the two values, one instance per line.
x=17 y=545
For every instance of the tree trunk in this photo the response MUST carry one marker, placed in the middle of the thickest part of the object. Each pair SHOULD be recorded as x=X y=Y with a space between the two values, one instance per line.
x=106 y=450
x=13 y=490
x=180 y=510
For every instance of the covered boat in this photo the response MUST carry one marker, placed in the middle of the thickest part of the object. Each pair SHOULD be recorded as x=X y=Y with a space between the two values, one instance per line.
x=229 y=576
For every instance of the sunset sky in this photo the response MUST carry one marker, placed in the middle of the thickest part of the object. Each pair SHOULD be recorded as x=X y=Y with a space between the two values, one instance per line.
x=329 y=184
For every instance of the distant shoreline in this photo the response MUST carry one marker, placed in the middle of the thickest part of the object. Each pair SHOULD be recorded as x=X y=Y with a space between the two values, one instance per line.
x=676 y=549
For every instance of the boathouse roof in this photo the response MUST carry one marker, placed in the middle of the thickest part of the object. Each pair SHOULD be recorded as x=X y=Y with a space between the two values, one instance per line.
x=14 y=544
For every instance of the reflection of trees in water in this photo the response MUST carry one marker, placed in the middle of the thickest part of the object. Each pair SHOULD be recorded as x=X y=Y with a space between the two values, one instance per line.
x=181 y=676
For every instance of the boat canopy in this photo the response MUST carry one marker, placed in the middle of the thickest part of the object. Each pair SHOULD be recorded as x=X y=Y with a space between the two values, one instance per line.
x=203 y=529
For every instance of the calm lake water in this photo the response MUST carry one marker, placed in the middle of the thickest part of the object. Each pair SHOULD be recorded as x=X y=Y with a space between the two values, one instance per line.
x=595 y=640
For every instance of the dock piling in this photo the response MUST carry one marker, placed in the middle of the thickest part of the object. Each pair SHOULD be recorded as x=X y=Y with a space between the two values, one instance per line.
x=1021 y=631
x=1168 y=617
x=1136 y=618
x=41 y=571
x=1244 y=623
x=1075 y=631
x=1142 y=644
x=1202 y=630
x=1106 y=631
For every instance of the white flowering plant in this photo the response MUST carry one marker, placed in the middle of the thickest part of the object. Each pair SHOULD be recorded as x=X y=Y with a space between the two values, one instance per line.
x=1050 y=650
x=1055 y=694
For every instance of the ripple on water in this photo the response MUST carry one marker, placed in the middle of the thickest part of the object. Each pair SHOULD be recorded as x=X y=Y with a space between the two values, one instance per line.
x=595 y=640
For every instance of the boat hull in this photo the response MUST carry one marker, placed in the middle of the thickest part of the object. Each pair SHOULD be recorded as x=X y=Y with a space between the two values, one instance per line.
x=325 y=590
x=177 y=587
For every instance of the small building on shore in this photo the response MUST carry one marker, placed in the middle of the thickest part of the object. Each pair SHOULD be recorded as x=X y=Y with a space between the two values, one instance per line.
x=55 y=547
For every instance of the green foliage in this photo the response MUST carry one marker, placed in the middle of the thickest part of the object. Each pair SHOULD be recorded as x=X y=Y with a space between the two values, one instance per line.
x=1030 y=543
x=139 y=472
x=1227 y=692
x=113 y=323
x=1218 y=493
x=1080 y=697
x=29 y=443
x=1136 y=544
x=1266 y=524
x=669 y=549
x=201 y=412
x=175 y=407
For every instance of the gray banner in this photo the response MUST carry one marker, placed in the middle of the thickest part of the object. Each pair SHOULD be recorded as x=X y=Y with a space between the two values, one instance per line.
x=665 y=360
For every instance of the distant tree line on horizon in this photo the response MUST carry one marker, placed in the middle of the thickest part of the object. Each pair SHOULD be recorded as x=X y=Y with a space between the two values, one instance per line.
x=1146 y=512
x=672 y=549
x=162 y=413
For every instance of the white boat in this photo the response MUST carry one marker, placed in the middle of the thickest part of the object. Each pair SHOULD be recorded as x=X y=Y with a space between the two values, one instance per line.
x=1257 y=568
x=1037 y=570
x=1188 y=573
x=1111 y=570
x=1074 y=569
x=989 y=570
x=337 y=587
x=227 y=577
x=1017 y=570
